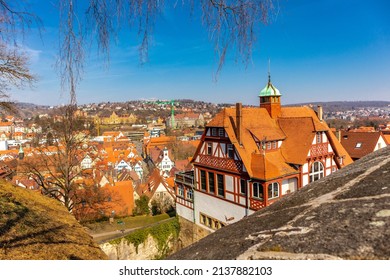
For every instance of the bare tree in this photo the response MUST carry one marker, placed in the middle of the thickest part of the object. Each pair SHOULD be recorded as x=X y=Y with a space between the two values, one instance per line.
x=14 y=68
x=55 y=168
x=231 y=25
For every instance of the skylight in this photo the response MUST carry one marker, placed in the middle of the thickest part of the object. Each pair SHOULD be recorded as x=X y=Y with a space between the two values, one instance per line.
x=358 y=145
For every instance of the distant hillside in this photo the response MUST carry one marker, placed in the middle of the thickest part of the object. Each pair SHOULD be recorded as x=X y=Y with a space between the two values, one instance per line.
x=34 y=227
x=28 y=110
x=345 y=105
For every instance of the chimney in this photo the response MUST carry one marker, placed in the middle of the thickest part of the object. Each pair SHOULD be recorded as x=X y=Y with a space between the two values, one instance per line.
x=239 y=123
x=338 y=133
x=319 y=112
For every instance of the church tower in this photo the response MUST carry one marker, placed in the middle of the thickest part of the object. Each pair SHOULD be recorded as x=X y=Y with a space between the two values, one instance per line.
x=270 y=99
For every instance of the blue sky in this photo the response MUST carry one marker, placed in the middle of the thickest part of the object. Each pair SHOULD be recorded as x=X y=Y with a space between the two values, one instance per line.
x=324 y=50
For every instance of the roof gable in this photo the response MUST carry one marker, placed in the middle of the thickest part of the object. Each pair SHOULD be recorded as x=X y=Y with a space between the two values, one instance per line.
x=359 y=144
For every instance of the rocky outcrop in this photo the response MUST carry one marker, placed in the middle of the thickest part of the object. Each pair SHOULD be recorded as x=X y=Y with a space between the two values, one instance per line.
x=343 y=216
x=153 y=242
x=124 y=250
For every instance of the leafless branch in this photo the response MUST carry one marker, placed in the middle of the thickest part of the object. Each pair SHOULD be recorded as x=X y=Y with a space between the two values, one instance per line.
x=231 y=25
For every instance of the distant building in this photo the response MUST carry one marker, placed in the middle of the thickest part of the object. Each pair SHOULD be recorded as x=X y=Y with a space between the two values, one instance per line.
x=188 y=119
x=164 y=162
x=158 y=188
x=114 y=118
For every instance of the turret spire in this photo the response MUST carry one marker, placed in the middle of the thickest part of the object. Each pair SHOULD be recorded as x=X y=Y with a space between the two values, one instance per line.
x=269 y=71
x=270 y=96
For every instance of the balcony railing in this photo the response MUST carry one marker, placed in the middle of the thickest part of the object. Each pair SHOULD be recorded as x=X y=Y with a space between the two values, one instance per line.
x=185 y=178
x=319 y=150
x=221 y=163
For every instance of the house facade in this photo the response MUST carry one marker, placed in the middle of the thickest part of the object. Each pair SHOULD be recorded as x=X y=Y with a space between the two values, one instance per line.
x=187 y=119
x=250 y=157
x=164 y=163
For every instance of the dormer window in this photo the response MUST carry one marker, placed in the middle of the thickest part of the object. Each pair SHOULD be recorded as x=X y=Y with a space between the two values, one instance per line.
x=221 y=132
x=319 y=137
x=209 y=148
x=230 y=151
x=214 y=131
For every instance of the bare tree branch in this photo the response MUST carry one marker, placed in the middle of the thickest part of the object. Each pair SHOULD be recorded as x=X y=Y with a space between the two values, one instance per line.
x=14 y=69
x=231 y=25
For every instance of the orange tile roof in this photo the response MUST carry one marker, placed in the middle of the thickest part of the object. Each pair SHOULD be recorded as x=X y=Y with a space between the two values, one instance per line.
x=359 y=144
x=296 y=126
x=6 y=123
x=183 y=165
x=122 y=198
x=387 y=138
x=364 y=129
x=301 y=133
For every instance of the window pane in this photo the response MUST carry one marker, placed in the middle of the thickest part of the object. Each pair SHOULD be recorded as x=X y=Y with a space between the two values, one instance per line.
x=211 y=182
x=221 y=187
x=270 y=192
x=242 y=186
x=255 y=190
x=276 y=190
x=203 y=179
x=209 y=148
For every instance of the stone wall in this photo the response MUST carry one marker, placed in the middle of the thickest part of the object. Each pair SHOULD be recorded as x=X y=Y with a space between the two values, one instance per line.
x=190 y=233
x=127 y=251
x=148 y=250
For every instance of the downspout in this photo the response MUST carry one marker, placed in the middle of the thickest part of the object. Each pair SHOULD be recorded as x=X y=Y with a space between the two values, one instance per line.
x=194 y=237
x=247 y=197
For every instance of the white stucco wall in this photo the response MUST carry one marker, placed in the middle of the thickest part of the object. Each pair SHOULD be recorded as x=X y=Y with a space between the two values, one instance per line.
x=218 y=209
x=184 y=212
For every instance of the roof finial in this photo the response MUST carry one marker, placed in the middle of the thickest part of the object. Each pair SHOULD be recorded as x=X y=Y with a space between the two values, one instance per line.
x=269 y=70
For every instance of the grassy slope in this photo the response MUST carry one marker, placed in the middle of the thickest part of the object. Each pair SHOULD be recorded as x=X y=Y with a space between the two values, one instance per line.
x=40 y=228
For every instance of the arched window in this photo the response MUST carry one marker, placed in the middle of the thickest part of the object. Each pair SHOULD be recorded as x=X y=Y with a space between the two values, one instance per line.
x=316 y=171
x=273 y=190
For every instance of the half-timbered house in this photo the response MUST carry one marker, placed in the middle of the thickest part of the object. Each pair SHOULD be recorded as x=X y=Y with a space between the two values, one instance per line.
x=250 y=157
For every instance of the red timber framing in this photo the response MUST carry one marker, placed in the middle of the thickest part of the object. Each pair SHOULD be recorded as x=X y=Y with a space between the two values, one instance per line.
x=248 y=197
x=256 y=203
x=218 y=152
x=205 y=184
x=319 y=153
x=184 y=190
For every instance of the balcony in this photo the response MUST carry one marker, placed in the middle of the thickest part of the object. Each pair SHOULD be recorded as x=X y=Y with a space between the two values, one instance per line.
x=185 y=178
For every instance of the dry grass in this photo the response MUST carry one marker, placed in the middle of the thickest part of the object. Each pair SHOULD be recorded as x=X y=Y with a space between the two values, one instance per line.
x=36 y=227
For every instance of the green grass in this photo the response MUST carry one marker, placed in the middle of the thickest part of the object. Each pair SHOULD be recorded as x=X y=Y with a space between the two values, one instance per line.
x=128 y=223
